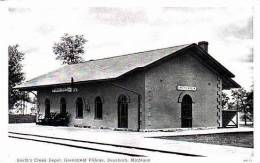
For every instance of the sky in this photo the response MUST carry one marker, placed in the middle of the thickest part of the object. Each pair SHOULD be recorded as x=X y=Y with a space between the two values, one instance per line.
x=122 y=30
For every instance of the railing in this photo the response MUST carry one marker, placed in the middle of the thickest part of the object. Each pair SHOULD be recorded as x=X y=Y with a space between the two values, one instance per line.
x=227 y=118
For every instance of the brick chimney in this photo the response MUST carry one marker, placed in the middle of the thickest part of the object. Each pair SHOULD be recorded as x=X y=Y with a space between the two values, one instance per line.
x=204 y=45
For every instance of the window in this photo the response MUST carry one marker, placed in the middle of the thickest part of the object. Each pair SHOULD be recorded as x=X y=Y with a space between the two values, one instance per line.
x=98 y=108
x=62 y=105
x=47 y=107
x=122 y=99
x=79 y=108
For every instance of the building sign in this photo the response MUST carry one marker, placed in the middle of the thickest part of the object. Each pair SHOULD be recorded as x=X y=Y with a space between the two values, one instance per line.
x=68 y=89
x=186 y=88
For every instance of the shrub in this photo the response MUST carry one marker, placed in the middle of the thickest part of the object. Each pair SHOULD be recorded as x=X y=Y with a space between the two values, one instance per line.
x=62 y=119
x=56 y=119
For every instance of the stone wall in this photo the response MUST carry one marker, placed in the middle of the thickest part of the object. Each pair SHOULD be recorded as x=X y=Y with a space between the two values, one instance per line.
x=160 y=100
x=163 y=100
x=109 y=94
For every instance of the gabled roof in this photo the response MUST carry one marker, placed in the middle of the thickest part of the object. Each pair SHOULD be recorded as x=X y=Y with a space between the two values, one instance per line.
x=107 y=68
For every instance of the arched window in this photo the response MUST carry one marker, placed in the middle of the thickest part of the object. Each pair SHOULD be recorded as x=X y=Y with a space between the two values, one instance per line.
x=47 y=107
x=98 y=108
x=62 y=105
x=122 y=99
x=79 y=108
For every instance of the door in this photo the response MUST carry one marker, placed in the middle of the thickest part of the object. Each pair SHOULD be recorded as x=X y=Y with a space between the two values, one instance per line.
x=186 y=112
x=122 y=112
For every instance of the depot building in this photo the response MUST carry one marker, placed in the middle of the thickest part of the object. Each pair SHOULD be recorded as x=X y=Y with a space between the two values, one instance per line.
x=171 y=87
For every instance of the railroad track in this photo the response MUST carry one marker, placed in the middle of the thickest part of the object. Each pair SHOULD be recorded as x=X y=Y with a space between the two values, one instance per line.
x=96 y=146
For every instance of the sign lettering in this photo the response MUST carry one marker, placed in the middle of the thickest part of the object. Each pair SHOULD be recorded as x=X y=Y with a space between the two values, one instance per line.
x=68 y=89
x=186 y=88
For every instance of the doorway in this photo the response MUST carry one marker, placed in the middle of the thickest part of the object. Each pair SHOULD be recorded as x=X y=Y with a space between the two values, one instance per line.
x=186 y=112
x=122 y=112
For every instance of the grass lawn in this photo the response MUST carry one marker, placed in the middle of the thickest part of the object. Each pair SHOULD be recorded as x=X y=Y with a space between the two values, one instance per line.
x=238 y=139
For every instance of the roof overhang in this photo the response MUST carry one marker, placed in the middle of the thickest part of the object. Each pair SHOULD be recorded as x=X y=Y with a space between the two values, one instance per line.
x=224 y=73
x=40 y=87
x=207 y=58
x=228 y=83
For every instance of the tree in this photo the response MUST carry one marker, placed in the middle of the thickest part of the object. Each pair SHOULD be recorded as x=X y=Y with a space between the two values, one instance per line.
x=250 y=102
x=16 y=76
x=70 y=49
x=242 y=101
x=225 y=100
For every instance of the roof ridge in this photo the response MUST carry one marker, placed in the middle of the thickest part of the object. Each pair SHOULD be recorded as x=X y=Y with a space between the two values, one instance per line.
x=63 y=66
x=133 y=53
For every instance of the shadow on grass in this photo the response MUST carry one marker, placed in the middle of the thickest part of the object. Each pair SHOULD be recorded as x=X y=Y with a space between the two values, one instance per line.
x=238 y=139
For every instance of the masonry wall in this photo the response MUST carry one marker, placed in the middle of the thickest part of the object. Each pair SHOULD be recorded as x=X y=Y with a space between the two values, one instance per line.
x=163 y=100
x=108 y=93
x=160 y=100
